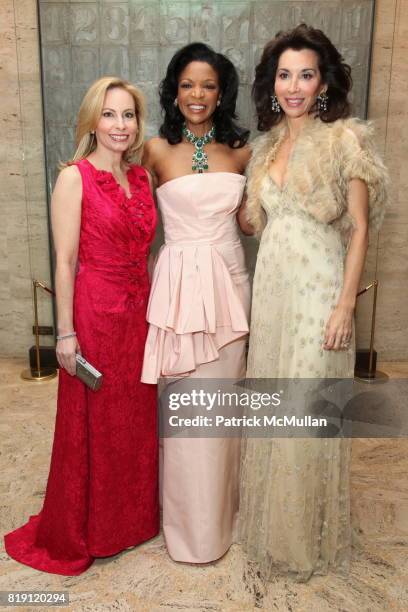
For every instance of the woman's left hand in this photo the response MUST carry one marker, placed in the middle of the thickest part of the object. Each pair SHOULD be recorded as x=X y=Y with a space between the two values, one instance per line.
x=339 y=329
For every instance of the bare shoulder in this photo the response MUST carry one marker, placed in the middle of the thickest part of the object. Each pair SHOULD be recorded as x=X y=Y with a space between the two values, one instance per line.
x=242 y=156
x=155 y=146
x=70 y=176
x=154 y=151
x=68 y=186
x=69 y=182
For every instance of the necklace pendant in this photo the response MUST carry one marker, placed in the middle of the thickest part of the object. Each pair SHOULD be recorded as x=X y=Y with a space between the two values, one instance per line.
x=200 y=159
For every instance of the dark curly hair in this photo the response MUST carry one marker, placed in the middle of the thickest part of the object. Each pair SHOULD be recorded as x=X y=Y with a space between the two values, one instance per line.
x=335 y=73
x=227 y=131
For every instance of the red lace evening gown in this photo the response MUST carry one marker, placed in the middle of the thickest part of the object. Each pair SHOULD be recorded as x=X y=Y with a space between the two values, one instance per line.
x=102 y=492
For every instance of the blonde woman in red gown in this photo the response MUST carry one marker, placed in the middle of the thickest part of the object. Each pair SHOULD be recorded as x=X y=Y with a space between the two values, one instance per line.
x=102 y=494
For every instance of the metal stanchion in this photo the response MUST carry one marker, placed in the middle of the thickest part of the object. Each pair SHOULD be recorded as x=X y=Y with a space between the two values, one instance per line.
x=38 y=374
x=366 y=361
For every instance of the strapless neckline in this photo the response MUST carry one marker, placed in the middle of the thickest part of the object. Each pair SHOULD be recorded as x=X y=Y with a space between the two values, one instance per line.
x=184 y=176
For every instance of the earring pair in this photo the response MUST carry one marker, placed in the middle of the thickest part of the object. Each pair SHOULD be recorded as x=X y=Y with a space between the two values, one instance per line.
x=322 y=103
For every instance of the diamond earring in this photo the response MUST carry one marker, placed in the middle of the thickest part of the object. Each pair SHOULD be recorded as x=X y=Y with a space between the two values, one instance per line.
x=275 y=104
x=175 y=102
x=322 y=100
x=218 y=102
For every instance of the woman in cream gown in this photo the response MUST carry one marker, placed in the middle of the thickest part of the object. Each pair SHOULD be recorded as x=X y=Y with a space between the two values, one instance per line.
x=312 y=178
x=199 y=303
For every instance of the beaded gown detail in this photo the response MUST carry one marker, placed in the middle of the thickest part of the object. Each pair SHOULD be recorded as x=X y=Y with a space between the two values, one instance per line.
x=294 y=505
x=102 y=492
x=198 y=316
x=299 y=521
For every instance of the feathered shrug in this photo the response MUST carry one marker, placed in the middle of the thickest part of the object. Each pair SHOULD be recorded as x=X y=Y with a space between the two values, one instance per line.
x=325 y=157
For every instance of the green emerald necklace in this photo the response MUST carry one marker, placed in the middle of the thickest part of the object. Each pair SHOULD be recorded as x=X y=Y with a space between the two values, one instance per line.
x=200 y=159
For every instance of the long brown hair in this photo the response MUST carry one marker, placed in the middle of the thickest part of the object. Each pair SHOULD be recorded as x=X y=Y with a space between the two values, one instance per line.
x=335 y=73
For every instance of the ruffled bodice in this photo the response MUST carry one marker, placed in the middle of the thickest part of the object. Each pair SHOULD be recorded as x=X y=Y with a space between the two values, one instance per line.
x=195 y=306
x=116 y=233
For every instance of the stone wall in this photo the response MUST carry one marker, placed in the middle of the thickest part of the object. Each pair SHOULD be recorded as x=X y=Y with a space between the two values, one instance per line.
x=388 y=252
x=23 y=210
x=24 y=251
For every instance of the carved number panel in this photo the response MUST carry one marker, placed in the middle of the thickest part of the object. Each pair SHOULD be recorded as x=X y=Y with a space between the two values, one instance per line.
x=84 y=40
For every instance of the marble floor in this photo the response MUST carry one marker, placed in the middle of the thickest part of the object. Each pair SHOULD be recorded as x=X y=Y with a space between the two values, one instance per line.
x=146 y=580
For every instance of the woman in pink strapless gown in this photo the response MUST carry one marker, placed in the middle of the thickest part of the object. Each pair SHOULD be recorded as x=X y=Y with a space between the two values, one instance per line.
x=199 y=302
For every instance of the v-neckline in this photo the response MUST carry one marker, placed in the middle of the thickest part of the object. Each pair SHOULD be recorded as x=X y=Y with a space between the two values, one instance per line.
x=285 y=175
x=125 y=193
x=281 y=137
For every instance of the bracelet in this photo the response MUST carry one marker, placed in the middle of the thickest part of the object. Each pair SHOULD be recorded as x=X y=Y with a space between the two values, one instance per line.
x=71 y=335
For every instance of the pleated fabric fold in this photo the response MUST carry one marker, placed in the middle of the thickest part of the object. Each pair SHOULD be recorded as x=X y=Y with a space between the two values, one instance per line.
x=194 y=310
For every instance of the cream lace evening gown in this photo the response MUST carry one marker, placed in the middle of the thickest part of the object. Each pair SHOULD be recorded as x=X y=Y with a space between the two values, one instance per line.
x=294 y=505
x=294 y=499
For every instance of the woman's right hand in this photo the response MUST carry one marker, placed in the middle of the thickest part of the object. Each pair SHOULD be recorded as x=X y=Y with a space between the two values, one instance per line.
x=66 y=350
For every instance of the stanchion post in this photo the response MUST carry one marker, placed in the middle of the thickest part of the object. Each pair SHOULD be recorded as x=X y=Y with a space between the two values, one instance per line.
x=39 y=374
x=371 y=374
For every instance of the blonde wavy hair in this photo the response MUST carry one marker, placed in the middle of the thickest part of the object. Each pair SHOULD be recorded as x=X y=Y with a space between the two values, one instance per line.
x=90 y=112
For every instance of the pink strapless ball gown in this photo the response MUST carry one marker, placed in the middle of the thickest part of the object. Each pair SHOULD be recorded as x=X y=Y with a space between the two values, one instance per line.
x=198 y=316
